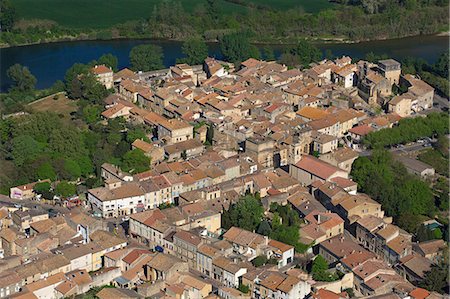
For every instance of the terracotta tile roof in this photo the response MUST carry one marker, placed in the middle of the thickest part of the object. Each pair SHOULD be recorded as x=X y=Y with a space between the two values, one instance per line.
x=101 y=69
x=317 y=167
x=281 y=246
x=419 y=293
x=142 y=145
x=361 y=130
x=312 y=113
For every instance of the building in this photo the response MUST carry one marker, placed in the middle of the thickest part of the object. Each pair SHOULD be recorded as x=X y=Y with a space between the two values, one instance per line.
x=310 y=169
x=104 y=75
x=117 y=200
x=416 y=167
x=391 y=70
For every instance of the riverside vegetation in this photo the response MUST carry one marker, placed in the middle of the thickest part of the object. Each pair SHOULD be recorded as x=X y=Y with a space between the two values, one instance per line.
x=352 y=20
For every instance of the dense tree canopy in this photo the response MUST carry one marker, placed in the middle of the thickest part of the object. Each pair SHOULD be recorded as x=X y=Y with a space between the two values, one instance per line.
x=301 y=55
x=135 y=161
x=146 y=58
x=8 y=15
x=247 y=213
x=23 y=79
x=388 y=182
x=195 y=50
x=236 y=48
x=109 y=60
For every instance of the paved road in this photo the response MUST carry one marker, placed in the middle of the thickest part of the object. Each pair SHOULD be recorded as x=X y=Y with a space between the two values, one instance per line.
x=440 y=102
x=32 y=204
x=408 y=148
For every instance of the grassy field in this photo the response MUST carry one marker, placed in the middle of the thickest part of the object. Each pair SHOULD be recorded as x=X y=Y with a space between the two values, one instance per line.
x=98 y=14
x=62 y=105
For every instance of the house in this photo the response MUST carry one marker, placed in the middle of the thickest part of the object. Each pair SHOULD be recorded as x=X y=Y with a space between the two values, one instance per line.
x=324 y=143
x=416 y=167
x=311 y=113
x=391 y=70
x=109 y=171
x=338 y=247
x=118 y=200
x=432 y=249
x=310 y=169
x=273 y=284
x=321 y=226
x=359 y=132
x=170 y=130
x=423 y=92
x=183 y=150
x=23 y=218
x=186 y=246
x=262 y=149
x=413 y=267
x=104 y=75
x=24 y=191
x=10 y=283
x=401 y=105
x=227 y=272
x=342 y=158
x=109 y=293
x=231 y=293
x=152 y=150
x=164 y=266
x=386 y=240
x=345 y=76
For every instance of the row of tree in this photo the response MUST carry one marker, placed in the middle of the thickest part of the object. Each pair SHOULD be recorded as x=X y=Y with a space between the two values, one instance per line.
x=402 y=195
x=408 y=130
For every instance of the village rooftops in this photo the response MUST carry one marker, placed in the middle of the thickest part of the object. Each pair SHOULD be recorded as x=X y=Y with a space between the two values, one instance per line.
x=124 y=191
x=101 y=69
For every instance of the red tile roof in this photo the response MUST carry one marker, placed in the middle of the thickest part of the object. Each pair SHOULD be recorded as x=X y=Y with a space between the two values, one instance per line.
x=316 y=167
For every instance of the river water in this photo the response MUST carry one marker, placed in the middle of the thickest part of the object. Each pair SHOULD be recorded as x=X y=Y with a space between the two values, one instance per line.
x=49 y=62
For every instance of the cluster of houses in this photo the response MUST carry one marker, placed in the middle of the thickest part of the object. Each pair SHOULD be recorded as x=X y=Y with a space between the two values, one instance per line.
x=216 y=133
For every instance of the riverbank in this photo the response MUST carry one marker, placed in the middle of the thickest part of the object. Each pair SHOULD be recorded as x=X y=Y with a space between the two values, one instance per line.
x=49 y=62
x=280 y=42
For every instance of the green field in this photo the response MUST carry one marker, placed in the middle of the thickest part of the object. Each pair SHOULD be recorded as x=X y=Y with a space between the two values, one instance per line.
x=311 y=6
x=97 y=14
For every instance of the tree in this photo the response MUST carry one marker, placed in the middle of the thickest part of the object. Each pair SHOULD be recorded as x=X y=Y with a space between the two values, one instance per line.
x=213 y=9
x=319 y=270
x=259 y=261
x=264 y=228
x=437 y=278
x=91 y=113
x=301 y=55
x=74 y=71
x=23 y=79
x=25 y=148
x=210 y=134
x=42 y=187
x=135 y=161
x=247 y=213
x=236 y=48
x=8 y=15
x=72 y=170
x=136 y=133
x=65 y=189
x=109 y=60
x=196 y=51
x=268 y=53
x=46 y=171
x=146 y=58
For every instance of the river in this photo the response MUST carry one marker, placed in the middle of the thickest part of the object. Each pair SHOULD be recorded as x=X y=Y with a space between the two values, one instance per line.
x=49 y=62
